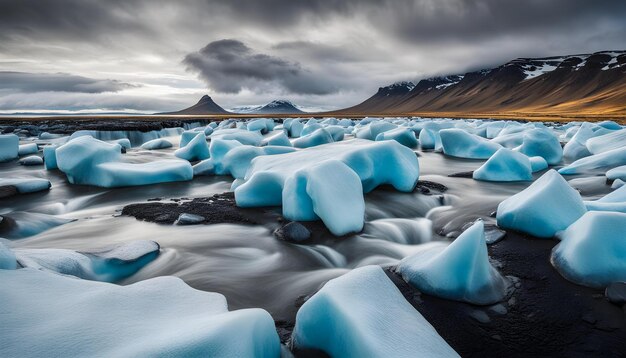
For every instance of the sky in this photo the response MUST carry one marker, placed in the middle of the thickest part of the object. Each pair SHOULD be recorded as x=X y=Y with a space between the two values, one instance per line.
x=150 y=56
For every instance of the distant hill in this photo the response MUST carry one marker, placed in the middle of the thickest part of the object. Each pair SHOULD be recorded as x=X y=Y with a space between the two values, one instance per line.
x=205 y=105
x=576 y=84
x=274 y=107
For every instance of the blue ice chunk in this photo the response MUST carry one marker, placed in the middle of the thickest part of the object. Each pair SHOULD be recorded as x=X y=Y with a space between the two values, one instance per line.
x=547 y=206
x=9 y=147
x=363 y=314
x=592 y=251
x=460 y=271
x=505 y=165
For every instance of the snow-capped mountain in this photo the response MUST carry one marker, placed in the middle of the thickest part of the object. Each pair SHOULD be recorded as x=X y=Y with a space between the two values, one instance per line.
x=584 y=83
x=274 y=107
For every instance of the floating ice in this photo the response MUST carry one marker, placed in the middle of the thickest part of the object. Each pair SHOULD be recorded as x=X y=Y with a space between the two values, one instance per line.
x=31 y=160
x=7 y=258
x=86 y=160
x=26 y=185
x=617 y=173
x=505 y=165
x=291 y=179
x=318 y=137
x=186 y=137
x=159 y=143
x=576 y=147
x=27 y=149
x=372 y=130
x=241 y=135
x=20 y=224
x=205 y=167
x=362 y=314
x=459 y=143
x=50 y=156
x=196 y=149
x=263 y=125
x=538 y=164
x=123 y=142
x=110 y=264
x=609 y=159
x=547 y=206
x=279 y=139
x=606 y=142
x=542 y=143
x=9 y=147
x=237 y=159
x=460 y=271
x=614 y=201
x=125 y=321
x=592 y=251
x=403 y=136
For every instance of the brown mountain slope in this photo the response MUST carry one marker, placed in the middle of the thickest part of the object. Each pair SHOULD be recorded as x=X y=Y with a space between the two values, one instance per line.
x=578 y=85
x=205 y=105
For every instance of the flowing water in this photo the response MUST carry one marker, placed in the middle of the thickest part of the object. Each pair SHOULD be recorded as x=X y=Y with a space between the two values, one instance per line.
x=247 y=263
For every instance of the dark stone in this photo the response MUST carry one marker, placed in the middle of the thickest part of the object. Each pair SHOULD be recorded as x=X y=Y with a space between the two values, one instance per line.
x=8 y=191
x=616 y=293
x=425 y=186
x=293 y=231
x=462 y=175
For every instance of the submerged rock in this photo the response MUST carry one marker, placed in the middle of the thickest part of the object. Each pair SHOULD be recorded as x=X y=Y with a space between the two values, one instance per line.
x=616 y=293
x=293 y=231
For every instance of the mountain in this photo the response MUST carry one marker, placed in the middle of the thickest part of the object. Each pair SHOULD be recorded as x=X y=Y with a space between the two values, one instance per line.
x=576 y=84
x=275 y=107
x=204 y=106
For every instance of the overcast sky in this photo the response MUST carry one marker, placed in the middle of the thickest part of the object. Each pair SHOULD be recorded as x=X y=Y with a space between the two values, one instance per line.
x=156 y=55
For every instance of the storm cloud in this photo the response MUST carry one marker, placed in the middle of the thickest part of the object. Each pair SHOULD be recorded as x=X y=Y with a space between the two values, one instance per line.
x=322 y=53
x=57 y=82
x=230 y=66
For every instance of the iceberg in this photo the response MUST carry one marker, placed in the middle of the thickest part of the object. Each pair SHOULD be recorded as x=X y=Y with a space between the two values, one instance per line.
x=159 y=143
x=372 y=130
x=592 y=251
x=403 y=136
x=609 y=159
x=27 y=149
x=8 y=261
x=505 y=165
x=279 y=139
x=460 y=271
x=362 y=314
x=109 y=264
x=196 y=149
x=318 y=137
x=375 y=163
x=31 y=160
x=263 y=125
x=459 y=143
x=613 y=201
x=125 y=321
x=9 y=147
x=606 y=142
x=547 y=206
x=538 y=164
x=26 y=185
x=542 y=143
x=50 y=157
x=241 y=135
x=86 y=160
x=617 y=173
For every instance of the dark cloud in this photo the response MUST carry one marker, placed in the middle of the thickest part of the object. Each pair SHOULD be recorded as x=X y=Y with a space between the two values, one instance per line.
x=56 y=82
x=230 y=66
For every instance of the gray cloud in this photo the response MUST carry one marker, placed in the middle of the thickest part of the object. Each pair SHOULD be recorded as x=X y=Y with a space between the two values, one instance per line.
x=57 y=82
x=230 y=66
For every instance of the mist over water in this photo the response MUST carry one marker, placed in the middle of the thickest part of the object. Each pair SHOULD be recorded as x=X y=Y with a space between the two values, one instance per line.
x=247 y=263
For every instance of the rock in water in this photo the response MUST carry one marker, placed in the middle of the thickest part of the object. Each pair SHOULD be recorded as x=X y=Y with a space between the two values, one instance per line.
x=293 y=231
x=156 y=317
x=547 y=206
x=363 y=314
x=592 y=251
x=31 y=160
x=460 y=271
x=616 y=293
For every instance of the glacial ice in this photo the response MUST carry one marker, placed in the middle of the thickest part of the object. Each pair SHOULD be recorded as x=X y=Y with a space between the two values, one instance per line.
x=460 y=271
x=613 y=201
x=186 y=137
x=606 y=142
x=609 y=159
x=241 y=135
x=31 y=160
x=27 y=149
x=592 y=251
x=159 y=143
x=8 y=261
x=372 y=130
x=26 y=185
x=86 y=160
x=237 y=160
x=9 y=147
x=459 y=143
x=617 y=173
x=542 y=143
x=109 y=264
x=318 y=137
x=263 y=125
x=547 y=206
x=279 y=139
x=538 y=164
x=403 y=136
x=50 y=156
x=291 y=178
x=505 y=165
x=363 y=314
x=196 y=149
x=125 y=321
